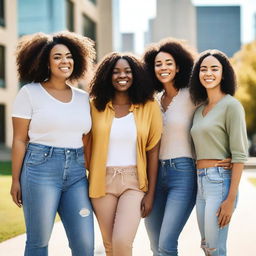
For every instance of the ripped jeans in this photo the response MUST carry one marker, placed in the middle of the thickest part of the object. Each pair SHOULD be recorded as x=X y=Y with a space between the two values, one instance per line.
x=213 y=188
x=54 y=180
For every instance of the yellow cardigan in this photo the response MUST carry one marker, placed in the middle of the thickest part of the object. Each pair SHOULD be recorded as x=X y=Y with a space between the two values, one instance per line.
x=148 y=121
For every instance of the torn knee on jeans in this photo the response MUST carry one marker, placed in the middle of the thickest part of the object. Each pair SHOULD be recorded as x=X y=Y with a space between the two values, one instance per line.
x=84 y=212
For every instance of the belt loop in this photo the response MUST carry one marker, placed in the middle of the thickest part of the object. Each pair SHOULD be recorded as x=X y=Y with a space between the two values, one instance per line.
x=50 y=151
x=205 y=171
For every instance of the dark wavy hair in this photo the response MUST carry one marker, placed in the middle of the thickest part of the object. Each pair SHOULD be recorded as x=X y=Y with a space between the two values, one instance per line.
x=33 y=51
x=228 y=82
x=182 y=54
x=102 y=90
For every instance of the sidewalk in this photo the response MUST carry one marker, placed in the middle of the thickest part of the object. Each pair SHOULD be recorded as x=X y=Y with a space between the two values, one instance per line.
x=241 y=239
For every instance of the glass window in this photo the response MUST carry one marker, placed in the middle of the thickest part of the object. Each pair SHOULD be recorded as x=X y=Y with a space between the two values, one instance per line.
x=2 y=66
x=2 y=123
x=2 y=23
x=93 y=1
x=70 y=15
x=89 y=28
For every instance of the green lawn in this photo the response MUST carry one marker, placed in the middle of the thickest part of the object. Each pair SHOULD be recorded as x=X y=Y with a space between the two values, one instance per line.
x=5 y=167
x=11 y=216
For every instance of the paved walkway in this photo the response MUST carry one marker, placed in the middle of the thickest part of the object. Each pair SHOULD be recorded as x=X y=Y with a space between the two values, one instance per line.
x=241 y=241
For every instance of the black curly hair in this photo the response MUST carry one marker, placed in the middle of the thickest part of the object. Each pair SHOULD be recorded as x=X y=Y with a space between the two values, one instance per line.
x=228 y=82
x=182 y=54
x=33 y=53
x=102 y=90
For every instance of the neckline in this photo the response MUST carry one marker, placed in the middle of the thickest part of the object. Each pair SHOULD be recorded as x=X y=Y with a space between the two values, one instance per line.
x=59 y=101
x=171 y=102
x=203 y=107
x=118 y=118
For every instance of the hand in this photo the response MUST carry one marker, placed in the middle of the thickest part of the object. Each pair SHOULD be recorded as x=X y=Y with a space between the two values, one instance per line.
x=225 y=212
x=225 y=163
x=16 y=193
x=146 y=205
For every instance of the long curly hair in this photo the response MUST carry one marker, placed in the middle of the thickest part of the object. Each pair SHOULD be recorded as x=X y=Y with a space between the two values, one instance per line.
x=183 y=55
x=102 y=90
x=228 y=82
x=33 y=51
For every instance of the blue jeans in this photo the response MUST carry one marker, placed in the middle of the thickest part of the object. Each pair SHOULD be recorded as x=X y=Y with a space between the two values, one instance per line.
x=54 y=180
x=213 y=188
x=174 y=200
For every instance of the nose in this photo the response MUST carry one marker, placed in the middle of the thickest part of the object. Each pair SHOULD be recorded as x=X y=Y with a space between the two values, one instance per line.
x=64 y=59
x=122 y=74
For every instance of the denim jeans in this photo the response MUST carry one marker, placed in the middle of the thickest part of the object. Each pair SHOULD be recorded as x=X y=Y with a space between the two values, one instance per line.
x=213 y=188
x=54 y=180
x=174 y=200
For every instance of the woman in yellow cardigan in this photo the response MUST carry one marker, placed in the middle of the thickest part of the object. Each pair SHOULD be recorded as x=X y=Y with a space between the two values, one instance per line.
x=126 y=130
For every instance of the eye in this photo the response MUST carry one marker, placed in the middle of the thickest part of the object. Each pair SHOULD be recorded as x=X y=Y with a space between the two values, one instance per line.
x=70 y=57
x=170 y=64
x=115 y=72
x=158 y=65
x=215 y=69
x=56 y=57
x=128 y=71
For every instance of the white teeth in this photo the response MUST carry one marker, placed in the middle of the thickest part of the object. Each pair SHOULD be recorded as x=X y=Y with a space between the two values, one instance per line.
x=164 y=74
x=122 y=82
x=208 y=80
x=64 y=68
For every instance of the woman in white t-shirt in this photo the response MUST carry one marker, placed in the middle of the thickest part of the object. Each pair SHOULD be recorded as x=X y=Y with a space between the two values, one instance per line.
x=50 y=123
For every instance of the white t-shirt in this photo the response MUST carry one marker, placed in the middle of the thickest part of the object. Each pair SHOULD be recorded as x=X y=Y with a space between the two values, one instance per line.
x=122 y=142
x=53 y=123
x=177 y=121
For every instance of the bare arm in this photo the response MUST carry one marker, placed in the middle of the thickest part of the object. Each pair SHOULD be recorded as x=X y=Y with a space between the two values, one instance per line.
x=227 y=207
x=152 y=169
x=87 y=141
x=20 y=138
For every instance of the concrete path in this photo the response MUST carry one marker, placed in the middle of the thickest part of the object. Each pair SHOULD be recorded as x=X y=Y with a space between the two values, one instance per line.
x=241 y=242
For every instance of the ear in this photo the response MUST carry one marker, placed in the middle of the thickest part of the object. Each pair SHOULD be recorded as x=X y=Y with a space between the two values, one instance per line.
x=177 y=69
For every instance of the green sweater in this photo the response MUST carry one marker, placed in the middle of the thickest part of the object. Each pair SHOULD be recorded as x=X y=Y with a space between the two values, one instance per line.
x=221 y=133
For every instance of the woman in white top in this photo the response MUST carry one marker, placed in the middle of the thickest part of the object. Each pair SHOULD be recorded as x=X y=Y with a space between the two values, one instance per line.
x=50 y=119
x=169 y=65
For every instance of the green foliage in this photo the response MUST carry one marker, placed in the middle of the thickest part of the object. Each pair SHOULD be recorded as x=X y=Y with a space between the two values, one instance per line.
x=244 y=63
x=253 y=181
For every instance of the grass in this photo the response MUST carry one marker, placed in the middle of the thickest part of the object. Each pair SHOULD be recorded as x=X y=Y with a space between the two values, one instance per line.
x=11 y=216
x=5 y=167
x=253 y=181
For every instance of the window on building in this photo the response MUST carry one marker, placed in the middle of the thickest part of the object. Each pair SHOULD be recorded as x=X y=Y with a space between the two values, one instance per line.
x=2 y=23
x=70 y=15
x=2 y=66
x=93 y=1
x=2 y=123
x=89 y=28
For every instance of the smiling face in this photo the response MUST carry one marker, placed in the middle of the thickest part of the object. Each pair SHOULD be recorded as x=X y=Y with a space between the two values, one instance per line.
x=61 y=62
x=210 y=73
x=165 y=67
x=122 y=77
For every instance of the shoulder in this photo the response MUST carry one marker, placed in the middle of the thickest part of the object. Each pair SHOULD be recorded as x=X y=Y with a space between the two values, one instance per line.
x=233 y=104
x=151 y=104
x=80 y=92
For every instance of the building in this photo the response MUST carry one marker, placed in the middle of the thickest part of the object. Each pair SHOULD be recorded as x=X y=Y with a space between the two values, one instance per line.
x=128 y=43
x=8 y=81
x=97 y=19
x=175 y=18
x=219 y=27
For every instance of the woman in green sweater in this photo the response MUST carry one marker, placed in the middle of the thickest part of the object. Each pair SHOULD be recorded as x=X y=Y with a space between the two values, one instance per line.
x=218 y=132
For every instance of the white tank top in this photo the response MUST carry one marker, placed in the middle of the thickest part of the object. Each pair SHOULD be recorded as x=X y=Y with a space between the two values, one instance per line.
x=122 y=142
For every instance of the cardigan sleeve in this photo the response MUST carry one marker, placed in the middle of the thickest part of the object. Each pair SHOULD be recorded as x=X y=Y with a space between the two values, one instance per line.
x=156 y=126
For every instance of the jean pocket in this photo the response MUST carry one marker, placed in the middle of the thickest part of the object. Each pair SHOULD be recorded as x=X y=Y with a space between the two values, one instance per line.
x=186 y=166
x=214 y=177
x=37 y=158
x=81 y=159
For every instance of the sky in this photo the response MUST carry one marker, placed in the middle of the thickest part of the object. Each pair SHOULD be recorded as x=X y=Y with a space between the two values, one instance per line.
x=134 y=16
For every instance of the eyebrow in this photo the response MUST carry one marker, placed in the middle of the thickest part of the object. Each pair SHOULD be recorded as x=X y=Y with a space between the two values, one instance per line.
x=164 y=60
x=57 y=53
x=213 y=66
x=125 y=68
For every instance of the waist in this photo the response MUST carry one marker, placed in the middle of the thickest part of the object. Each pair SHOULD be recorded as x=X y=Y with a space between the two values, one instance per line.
x=206 y=163
x=172 y=161
x=213 y=170
x=121 y=169
x=50 y=149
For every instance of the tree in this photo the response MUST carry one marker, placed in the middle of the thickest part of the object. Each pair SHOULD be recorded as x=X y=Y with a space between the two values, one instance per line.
x=244 y=63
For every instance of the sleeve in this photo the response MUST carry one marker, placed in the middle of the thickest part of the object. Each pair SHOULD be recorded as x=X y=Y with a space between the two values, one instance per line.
x=236 y=128
x=22 y=106
x=156 y=126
